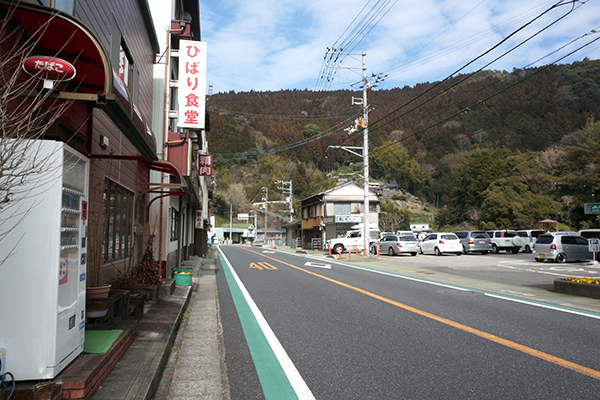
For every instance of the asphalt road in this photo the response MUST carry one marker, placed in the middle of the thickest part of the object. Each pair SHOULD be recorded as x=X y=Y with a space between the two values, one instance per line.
x=506 y=268
x=356 y=333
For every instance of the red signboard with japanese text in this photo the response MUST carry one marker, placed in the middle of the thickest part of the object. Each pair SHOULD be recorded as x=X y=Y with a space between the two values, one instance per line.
x=205 y=165
x=51 y=68
x=192 y=84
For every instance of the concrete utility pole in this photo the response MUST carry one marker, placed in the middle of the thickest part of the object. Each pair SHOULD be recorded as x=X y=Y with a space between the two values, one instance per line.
x=287 y=194
x=265 y=199
x=361 y=123
x=255 y=223
x=365 y=105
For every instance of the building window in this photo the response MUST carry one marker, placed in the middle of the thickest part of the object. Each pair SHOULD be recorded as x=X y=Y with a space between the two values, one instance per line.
x=341 y=208
x=123 y=62
x=67 y=6
x=118 y=208
x=174 y=224
x=359 y=208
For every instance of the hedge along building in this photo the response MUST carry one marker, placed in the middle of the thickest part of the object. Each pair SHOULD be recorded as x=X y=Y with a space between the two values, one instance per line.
x=111 y=45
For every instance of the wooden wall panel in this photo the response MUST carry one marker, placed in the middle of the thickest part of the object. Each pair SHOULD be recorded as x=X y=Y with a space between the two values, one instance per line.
x=123 y=172
x=98 y=15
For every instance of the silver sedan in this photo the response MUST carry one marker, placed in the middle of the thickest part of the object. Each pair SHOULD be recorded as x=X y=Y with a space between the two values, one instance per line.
x=395 y=244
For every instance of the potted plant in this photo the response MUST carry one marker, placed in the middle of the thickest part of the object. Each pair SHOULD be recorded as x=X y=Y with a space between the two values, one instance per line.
x=147 y=272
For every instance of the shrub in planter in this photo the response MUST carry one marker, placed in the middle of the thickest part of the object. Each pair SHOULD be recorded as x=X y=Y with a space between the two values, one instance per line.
x=147 y=272
x=588 y=287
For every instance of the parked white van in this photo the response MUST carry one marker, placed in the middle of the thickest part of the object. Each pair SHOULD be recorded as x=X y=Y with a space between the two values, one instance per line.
x=528 y=238
x=590 y=233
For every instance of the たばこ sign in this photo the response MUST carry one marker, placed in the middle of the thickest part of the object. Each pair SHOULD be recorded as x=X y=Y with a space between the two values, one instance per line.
x=49 y=68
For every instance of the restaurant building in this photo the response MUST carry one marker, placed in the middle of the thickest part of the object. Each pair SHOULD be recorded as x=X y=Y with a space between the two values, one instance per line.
x=81 y=75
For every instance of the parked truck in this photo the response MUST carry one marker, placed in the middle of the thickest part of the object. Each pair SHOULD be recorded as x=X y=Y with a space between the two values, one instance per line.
x=353 y=239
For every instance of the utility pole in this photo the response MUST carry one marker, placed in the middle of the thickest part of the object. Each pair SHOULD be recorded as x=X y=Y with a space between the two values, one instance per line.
x=265 y=199
x=361 y=123
x=365 y=105
x=287 y=195
x=255 y=223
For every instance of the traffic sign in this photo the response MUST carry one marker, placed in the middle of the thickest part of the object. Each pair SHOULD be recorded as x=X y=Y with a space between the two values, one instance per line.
x=594 y=245
x=591 y=208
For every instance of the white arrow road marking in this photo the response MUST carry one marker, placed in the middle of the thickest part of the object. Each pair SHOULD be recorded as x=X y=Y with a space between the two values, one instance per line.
x=565 y=269
x=311 y=264
x=511 y=292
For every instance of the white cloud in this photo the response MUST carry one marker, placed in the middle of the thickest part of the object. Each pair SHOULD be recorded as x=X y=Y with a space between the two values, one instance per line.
x=280 y=44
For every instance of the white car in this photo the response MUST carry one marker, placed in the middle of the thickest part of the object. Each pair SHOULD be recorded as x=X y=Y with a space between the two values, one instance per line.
x=441 y=242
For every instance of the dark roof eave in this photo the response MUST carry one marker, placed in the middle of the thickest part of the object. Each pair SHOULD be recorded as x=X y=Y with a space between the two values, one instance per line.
x=119 y=116
x=147 y=16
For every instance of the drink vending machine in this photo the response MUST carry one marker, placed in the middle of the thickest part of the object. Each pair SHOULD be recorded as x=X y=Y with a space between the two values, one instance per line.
x=43 y=272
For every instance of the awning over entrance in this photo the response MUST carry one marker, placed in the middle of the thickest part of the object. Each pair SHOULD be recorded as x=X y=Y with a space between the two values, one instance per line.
x=57 y=34
x=158 y=165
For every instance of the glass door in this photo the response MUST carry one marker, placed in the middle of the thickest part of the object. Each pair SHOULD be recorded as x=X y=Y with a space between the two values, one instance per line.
x=71 y=238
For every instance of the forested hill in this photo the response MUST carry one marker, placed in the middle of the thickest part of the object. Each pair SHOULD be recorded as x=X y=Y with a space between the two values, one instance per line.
x=458 y=144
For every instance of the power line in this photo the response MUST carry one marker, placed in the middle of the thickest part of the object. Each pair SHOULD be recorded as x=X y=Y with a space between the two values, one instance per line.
x=358 y=31
x=483 y=101
x=467 y=76
x=273 y=150
x=286 y=117
x=458 y=46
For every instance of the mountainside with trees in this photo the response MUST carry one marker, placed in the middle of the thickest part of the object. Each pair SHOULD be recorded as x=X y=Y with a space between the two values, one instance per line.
x=490 y=150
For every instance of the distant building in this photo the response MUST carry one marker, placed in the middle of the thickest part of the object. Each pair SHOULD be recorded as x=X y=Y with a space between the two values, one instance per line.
x=331 y=213
x=274 y=236
x=293 y=233
x=420 y=227
x=225 y=233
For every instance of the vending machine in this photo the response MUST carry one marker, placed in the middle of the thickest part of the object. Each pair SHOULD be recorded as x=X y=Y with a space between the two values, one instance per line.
x=43 y=263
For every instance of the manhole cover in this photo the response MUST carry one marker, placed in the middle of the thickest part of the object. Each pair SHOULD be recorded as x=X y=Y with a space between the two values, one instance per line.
x=457 y=292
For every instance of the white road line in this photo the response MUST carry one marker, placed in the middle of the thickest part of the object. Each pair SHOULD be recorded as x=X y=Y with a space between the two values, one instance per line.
x=300 y=387
x=566 y=310
x=536 y=303
x=314 y=265
x=575 y=271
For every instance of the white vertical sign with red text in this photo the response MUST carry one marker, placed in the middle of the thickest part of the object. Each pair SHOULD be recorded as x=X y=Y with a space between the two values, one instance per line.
x=192 y=84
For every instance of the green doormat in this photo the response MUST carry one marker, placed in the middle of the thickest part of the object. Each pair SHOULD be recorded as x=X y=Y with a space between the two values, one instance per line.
x=98 y=342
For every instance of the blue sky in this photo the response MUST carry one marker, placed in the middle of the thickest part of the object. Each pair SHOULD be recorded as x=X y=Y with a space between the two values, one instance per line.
x=280 y=44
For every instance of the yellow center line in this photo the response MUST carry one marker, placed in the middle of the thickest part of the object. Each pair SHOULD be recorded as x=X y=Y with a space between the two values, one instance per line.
x=516 y=346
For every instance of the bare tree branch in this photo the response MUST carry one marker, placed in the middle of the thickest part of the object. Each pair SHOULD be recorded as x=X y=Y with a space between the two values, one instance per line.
x=26 y=113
